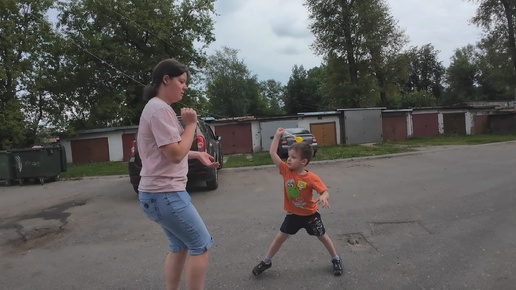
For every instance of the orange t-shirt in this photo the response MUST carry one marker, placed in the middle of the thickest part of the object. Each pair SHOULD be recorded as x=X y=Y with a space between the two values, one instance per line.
x=298 y=191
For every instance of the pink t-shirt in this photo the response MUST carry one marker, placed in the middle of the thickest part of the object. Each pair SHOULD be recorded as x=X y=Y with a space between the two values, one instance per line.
x=159 y=126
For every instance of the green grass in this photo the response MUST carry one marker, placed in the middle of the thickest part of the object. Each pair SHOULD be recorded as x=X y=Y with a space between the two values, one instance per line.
x=94 y=169
x=323 y=153
x=458 y=140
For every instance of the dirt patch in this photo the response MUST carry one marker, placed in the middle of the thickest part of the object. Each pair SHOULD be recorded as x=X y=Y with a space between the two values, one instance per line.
x=36 y=230
x=357 y=242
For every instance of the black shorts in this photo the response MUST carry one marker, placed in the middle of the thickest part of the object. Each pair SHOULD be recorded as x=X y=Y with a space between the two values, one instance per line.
x=312 y=224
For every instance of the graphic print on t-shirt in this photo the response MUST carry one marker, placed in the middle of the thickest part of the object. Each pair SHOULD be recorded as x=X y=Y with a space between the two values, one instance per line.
x=294 y=193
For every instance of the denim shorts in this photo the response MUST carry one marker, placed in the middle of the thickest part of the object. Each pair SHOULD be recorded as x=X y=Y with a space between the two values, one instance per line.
x=179 y=219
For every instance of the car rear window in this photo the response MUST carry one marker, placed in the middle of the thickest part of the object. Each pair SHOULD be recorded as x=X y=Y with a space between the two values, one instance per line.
x=297 y=131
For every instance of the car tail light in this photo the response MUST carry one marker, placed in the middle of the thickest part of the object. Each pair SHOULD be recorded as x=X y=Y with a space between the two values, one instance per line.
x=314 y=140
x=284 y=142
x=133 y=149
x=201 y=144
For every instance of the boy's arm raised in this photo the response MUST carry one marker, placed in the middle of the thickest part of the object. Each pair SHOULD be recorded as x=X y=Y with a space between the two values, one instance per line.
x=273 y=151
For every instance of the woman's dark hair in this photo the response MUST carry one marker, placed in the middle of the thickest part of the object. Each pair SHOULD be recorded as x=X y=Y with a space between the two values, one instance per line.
x=170 y=67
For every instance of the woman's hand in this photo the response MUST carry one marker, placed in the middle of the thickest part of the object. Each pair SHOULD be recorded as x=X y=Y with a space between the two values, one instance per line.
x=206 y=159
x=189 y=116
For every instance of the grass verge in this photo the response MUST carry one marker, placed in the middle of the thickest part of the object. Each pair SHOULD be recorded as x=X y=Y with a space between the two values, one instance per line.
x=323 y=153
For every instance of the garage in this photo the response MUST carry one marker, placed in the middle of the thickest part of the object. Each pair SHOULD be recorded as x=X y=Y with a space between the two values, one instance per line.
x=90 y=150
x=236 y=138
x=394 y=125
x=454 y=123
x=325 y=133
x=425 y=124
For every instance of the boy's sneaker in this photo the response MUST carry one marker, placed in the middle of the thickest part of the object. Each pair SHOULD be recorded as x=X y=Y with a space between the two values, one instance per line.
x=337 y=267
x=261 y=267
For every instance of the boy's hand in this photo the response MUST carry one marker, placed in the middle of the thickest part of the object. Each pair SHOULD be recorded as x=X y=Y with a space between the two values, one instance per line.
x=280 y=132
x=274 y=146
x=323 y=199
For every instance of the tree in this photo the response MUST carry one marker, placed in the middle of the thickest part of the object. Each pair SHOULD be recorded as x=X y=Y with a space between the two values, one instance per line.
x=23 y=35
x=425 y=71
x=496 y=77
x=231 y=88
x=498 y=19
x=462 y=75
x=112 y=46
x=273 y=92
x=364 y=36
x=298 y=97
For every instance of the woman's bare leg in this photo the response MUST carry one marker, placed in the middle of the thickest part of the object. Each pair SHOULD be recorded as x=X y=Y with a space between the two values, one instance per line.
x=196 y=268
x=174 y=264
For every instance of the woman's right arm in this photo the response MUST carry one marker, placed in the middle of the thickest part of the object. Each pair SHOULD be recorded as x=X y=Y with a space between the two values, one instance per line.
x=175 y=152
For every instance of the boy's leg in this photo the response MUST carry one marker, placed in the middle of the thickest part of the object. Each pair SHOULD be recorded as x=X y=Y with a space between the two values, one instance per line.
x=336 y=260
x=273 y=249
x=276 y=244
x=325 y=239
x=291 y=224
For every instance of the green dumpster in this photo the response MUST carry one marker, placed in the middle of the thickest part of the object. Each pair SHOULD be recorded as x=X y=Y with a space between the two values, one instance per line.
x=6 y=167
x=42 y=163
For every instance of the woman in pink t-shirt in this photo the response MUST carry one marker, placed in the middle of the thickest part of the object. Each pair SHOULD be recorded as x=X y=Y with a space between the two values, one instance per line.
x=164 y=148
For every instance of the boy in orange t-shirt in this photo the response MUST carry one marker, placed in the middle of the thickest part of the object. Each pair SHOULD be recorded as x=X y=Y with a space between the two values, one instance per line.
x=298 y=201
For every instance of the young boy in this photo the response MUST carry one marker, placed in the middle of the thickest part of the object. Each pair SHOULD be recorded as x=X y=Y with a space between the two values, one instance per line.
x=298 y=184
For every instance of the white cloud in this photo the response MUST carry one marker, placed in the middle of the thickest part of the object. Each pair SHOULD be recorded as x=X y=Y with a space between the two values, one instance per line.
x=272 y=35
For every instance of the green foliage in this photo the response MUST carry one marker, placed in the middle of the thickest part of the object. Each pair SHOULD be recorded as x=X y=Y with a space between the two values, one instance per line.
x=12 y=125
x=25 y=34
x=417 y=99
x=117 y=43
x=272 y=93
x=496 y=77
x=89 y=70
x=298 y=97
x=461 y=76
x=362 y=38
x=498 y=19
x=231 y=88
x=426 y=72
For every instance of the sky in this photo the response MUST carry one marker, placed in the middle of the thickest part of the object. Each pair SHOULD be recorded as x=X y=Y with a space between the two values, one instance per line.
x=272 y=35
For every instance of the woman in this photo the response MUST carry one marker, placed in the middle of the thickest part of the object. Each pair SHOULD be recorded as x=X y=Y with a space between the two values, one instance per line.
x=164 y=147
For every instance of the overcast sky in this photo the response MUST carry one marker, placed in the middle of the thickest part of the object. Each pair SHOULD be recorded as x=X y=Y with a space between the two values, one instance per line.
x=272 y=35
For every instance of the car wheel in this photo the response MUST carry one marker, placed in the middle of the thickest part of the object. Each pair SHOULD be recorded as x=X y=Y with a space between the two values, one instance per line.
x=214 y=183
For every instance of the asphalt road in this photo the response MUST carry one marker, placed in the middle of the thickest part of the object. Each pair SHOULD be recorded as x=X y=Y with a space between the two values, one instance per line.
x=436 y=219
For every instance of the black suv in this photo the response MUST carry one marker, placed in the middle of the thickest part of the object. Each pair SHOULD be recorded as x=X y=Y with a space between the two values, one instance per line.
x=205 y=140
